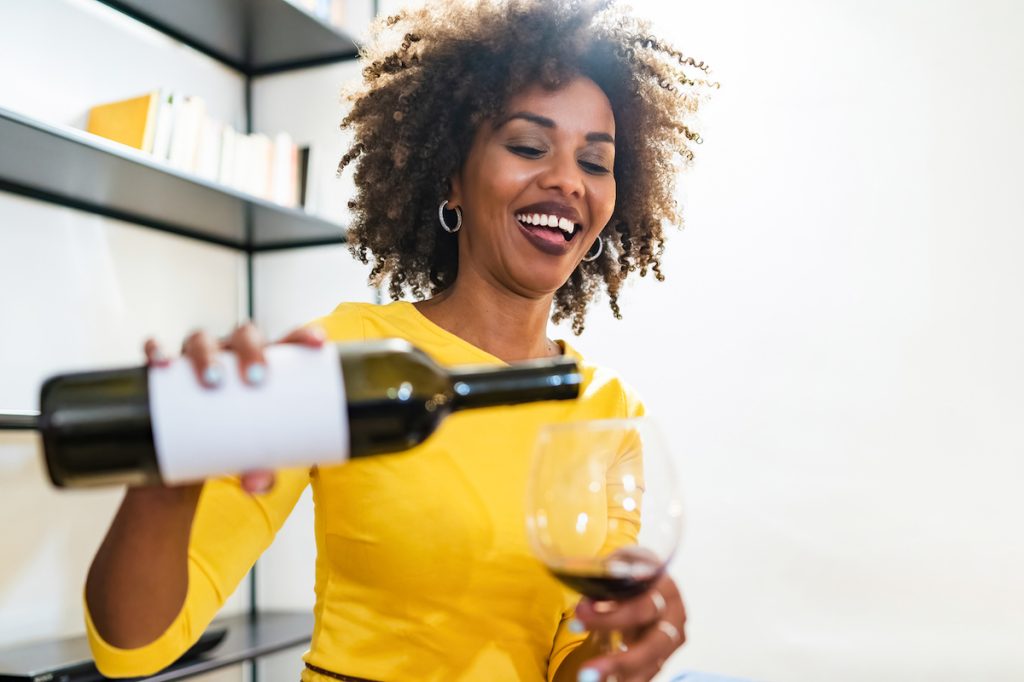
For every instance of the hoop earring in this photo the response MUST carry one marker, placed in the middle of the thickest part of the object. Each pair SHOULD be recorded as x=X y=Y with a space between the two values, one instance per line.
x=444 y=224
x=600 y=247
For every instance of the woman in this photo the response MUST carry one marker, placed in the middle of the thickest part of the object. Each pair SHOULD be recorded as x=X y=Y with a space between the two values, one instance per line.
x=511 y=160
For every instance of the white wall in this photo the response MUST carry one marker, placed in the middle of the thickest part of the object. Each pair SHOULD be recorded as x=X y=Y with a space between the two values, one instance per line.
x=837 y=350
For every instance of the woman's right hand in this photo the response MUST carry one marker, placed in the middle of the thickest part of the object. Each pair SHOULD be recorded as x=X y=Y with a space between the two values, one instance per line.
x=201 y=349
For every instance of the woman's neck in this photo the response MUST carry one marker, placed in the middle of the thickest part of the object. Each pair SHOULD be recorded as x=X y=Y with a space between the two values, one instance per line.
x=505 y=324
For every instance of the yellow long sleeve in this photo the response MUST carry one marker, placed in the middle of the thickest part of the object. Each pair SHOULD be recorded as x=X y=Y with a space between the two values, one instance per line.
x=423 y=568
x=230 y=530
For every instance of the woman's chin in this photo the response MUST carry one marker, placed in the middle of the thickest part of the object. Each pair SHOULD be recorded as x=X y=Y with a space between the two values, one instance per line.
x=542 y=280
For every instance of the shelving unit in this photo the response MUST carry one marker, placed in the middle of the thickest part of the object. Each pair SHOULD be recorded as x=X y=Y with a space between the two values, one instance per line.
x=247 y=638
x=73 y=168
x=276 y=35
x=70 y=167
x=77 y=169
x=18 y=420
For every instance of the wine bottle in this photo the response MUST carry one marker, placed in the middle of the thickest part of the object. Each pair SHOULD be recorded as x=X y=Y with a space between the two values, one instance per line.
x=148 y=425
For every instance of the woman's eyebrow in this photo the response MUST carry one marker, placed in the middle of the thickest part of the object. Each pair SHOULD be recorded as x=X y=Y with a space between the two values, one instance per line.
x=546 y=122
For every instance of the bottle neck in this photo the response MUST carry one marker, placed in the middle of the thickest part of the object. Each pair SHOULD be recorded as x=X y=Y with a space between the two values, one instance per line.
x=525 y=382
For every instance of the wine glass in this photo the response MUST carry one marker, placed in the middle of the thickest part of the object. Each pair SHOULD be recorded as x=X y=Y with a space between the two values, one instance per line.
x=603 y=510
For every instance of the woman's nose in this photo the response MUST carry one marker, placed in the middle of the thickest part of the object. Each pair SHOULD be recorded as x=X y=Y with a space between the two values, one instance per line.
x=564 y=174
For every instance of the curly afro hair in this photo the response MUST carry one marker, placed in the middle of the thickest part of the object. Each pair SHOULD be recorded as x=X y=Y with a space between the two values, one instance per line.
x=434 y=74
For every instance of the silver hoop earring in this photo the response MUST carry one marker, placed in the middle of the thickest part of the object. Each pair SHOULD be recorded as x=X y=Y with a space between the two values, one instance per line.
x=600 y=247
x=458 y=218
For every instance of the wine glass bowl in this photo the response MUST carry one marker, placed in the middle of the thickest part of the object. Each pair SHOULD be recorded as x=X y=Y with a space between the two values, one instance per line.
x=603 y=512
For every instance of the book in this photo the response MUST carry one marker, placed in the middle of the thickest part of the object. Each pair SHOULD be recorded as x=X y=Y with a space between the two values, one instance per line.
x=282 y=171
x=242 y=161
x=164 y=121
x=311 y=185
x=303 y=176
x=338 y=13
x=129 y=121
x=209 y=148
x=256 y=179
x=185 y=130
x=226 y=167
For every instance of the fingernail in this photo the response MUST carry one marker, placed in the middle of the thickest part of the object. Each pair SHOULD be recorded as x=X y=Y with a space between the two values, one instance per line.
x=212 y=375
x=605 y=606
x=256 y=373
x=576 y=626
x=588 y=675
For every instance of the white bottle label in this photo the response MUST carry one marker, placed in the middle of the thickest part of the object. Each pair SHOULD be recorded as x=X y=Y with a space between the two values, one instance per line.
x=296 y=417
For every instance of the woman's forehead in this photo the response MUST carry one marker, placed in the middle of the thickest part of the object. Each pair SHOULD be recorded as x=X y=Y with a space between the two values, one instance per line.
x=579 y=103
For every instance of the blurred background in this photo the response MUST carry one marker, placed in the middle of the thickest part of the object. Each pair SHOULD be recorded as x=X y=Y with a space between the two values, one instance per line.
x=837 y=352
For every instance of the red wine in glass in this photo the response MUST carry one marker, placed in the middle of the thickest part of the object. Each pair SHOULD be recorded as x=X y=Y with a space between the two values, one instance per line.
x=626 y=573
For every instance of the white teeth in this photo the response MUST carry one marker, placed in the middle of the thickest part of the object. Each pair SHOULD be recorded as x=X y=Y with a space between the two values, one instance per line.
x=564 y=224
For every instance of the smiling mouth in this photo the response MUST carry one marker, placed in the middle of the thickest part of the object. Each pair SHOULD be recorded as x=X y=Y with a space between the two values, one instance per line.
x=548 y=224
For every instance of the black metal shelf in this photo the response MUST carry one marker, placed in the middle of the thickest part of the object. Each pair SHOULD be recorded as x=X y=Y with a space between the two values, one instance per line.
x=74 y=168
x=256 y=37
x=246 y=638
x=19 y=420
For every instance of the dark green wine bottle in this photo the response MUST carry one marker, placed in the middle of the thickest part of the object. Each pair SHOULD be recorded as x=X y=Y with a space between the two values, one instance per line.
x=131 y=426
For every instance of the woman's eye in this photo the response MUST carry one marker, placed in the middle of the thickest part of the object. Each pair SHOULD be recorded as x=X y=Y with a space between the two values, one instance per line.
x=528 y=152
x=595 y=168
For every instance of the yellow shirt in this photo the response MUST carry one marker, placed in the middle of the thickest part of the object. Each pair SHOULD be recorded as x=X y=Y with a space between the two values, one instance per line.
x=423 y=571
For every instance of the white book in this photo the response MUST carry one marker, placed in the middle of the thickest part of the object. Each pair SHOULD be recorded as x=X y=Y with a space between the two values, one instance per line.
x=242 y=163
x=259 y=177
x=226 y=165
x=339 y=14
x=185 y=136
x=281 y=182
x=208 y=152
x=165 y=116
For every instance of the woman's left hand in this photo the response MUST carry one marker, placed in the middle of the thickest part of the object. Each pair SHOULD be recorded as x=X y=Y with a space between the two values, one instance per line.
x=652 y=626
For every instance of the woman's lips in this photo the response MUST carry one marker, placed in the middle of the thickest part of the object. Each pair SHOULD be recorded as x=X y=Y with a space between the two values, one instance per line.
x=546 y=239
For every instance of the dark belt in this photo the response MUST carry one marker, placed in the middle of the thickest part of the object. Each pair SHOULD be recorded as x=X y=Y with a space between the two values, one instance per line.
x=336 y=676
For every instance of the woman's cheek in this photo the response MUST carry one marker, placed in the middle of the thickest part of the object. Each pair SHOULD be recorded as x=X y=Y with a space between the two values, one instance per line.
x=603 y=202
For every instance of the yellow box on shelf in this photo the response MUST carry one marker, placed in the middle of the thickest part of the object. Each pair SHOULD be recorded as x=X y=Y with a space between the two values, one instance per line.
x=130 y=121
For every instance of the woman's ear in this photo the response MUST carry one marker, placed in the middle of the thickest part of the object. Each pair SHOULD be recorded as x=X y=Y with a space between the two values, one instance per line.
x=454 y=195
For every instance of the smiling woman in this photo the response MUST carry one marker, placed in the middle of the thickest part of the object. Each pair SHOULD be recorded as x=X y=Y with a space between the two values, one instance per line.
x=547 y=83
x=511 y=158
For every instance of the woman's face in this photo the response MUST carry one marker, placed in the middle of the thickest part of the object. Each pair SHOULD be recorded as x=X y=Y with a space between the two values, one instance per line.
x=537 y=188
